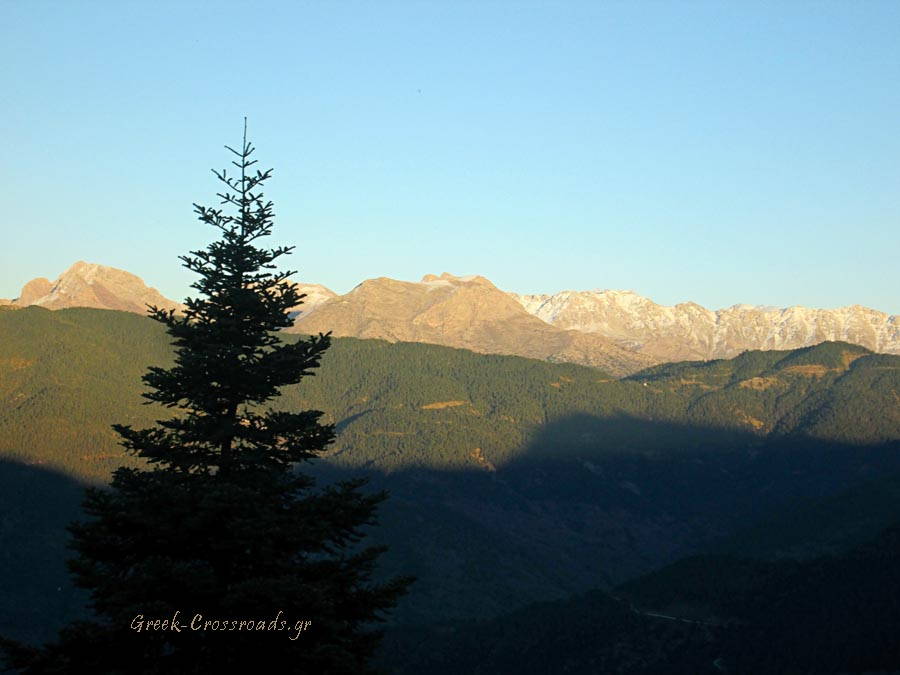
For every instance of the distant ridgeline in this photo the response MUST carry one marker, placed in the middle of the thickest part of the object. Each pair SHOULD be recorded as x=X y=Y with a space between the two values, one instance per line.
x=619 y=332
x=513 y=480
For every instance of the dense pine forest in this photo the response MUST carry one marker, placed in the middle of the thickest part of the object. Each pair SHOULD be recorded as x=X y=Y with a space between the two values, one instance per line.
x=67 y=375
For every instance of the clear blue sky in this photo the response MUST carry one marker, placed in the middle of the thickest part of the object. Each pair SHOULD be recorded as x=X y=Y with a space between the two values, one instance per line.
x=716 y=152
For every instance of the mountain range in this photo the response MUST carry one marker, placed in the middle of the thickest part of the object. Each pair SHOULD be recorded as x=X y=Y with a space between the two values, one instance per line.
x=618 y=331
x=688 y=331
x=468 y=312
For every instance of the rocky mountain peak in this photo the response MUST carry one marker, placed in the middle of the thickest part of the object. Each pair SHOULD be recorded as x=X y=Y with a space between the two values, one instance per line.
x=446 y=277
x=316 y=294
x=87 y=284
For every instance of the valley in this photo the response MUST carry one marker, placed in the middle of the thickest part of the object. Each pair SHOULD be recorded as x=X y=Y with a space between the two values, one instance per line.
x=512 y=480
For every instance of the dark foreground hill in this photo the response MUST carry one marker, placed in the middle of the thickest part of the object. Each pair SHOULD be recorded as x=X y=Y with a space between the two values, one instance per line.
x=513 y=480
x=705 y=614
x=587 y=634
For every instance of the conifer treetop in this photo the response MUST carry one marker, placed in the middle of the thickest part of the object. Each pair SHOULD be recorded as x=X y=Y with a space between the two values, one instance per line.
x=229 y=357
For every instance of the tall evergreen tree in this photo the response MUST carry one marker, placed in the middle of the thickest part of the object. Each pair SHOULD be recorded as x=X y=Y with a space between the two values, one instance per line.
x=222 y=524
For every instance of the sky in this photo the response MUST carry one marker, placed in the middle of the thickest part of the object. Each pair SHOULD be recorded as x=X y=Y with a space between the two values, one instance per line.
x=714 y=152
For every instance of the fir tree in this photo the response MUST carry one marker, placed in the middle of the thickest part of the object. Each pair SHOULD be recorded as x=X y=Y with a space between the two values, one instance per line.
x=222 y=524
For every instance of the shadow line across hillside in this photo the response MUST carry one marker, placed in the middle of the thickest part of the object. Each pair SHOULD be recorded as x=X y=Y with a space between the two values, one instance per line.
x=588 y=503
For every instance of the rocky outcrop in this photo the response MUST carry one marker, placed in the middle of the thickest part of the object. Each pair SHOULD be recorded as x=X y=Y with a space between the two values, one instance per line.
x=33 y=291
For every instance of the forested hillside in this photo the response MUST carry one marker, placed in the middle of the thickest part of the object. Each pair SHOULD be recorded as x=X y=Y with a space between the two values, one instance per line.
x=513 y=480
x=65 y=376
